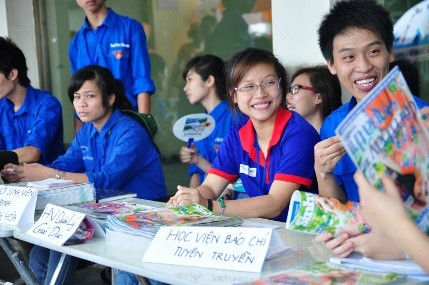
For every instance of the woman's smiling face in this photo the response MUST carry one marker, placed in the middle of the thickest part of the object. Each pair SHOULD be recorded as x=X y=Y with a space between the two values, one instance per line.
x=261 y=104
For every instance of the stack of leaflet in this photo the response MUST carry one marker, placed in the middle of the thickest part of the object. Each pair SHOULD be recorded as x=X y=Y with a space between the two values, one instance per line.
x=99 y=212
x=60 y=192
x=138 y=229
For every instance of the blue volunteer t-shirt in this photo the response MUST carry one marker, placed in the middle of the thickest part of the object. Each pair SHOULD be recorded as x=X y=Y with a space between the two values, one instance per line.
x=290 y=156
x=119 y=44
x=121 y=156
x=38 y=123
x=209 y=146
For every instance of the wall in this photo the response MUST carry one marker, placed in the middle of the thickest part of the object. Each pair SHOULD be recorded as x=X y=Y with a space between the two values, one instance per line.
x=295 y=25
x=295 y=39
x=18 y=23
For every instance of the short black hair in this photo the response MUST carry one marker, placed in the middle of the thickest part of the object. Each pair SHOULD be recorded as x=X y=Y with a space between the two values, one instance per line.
x=206 y=65
x=349 y=14
x=12 y=57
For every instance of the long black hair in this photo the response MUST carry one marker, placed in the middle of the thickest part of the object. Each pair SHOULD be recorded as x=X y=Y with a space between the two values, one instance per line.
x=105 y=81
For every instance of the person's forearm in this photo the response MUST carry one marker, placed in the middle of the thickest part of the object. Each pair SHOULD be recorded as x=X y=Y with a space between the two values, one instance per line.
x=256 y=207
x=328 y=186
x=195 y=180
x=28 y=154
x=206 y=192
x=412 y=240
x=203 y=164
x=143 y=102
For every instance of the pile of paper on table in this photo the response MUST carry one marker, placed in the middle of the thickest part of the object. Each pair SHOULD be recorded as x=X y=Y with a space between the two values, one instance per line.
x=60 y=192
x=128 y=229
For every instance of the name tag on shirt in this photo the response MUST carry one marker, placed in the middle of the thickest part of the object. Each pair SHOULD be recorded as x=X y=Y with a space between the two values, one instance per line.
x=245 y=169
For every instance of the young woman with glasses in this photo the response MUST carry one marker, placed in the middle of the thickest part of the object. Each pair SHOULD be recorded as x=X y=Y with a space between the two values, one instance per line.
x=271 y=150
x=314 y=93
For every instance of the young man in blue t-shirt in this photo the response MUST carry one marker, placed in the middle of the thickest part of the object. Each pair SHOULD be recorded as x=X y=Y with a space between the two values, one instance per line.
x=117 y=43
x=356 y=39
x=31 y=119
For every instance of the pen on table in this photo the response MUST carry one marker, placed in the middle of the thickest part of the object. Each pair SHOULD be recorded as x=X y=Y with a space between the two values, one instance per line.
x=190 y=141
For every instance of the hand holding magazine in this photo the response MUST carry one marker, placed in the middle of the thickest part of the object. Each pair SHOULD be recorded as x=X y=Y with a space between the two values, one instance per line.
x=384 y=134
x=311 y=213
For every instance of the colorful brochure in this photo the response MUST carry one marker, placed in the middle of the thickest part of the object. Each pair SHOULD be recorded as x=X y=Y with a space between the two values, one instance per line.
x=384 y=134
x=311 y=213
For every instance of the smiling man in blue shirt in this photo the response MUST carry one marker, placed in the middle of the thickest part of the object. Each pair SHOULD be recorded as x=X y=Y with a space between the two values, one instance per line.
x=356 y=39
x=31 y=121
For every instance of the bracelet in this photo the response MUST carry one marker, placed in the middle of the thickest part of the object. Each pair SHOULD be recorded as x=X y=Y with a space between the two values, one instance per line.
x=210 y=204
x=222 y=204
x=60 y=175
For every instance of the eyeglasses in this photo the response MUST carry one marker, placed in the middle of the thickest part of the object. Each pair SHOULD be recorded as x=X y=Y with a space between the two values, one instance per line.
x=269 y=85
x=295 y=89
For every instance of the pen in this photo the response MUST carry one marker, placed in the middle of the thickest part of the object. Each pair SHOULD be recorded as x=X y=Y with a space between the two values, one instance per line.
x=190 y=141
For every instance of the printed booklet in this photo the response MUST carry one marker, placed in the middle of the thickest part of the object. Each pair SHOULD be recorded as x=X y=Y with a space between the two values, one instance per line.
x=314 y=214
x=130 y=228
x=384 y=134
x=99 y=212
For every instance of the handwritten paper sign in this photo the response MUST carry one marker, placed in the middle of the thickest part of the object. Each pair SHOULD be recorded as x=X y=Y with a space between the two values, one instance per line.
x=241 y=249
x=17 y=205
x=56 y=224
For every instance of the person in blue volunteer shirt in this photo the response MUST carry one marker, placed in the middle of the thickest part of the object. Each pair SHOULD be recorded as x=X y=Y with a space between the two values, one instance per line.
x=205 y=85
x=356 y=39
x=31 y=119
x=112 y=150
x=118 y=43
x=271 y=151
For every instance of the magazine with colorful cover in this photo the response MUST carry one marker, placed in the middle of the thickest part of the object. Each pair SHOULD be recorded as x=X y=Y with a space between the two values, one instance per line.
x=384 y=134
x=123 y=227
x=98 y=212
x=314 y=214
x=104 y=209
x=321 y=273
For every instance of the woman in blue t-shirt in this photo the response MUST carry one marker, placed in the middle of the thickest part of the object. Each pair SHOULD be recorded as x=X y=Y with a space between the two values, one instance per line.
x=111 y=150
x=205 y=85
x=272 y=151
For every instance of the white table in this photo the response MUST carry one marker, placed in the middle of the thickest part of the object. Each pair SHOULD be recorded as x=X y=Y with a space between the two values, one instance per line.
x=123 y=258
x=127 y=259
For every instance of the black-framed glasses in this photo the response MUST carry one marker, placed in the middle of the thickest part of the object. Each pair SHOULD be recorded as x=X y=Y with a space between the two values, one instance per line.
x=250 y=89
x=295 y=89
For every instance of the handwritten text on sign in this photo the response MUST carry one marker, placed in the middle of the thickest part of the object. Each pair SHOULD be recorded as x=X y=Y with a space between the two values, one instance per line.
x=17 y=204
x=241 y=249
x=56 y=224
